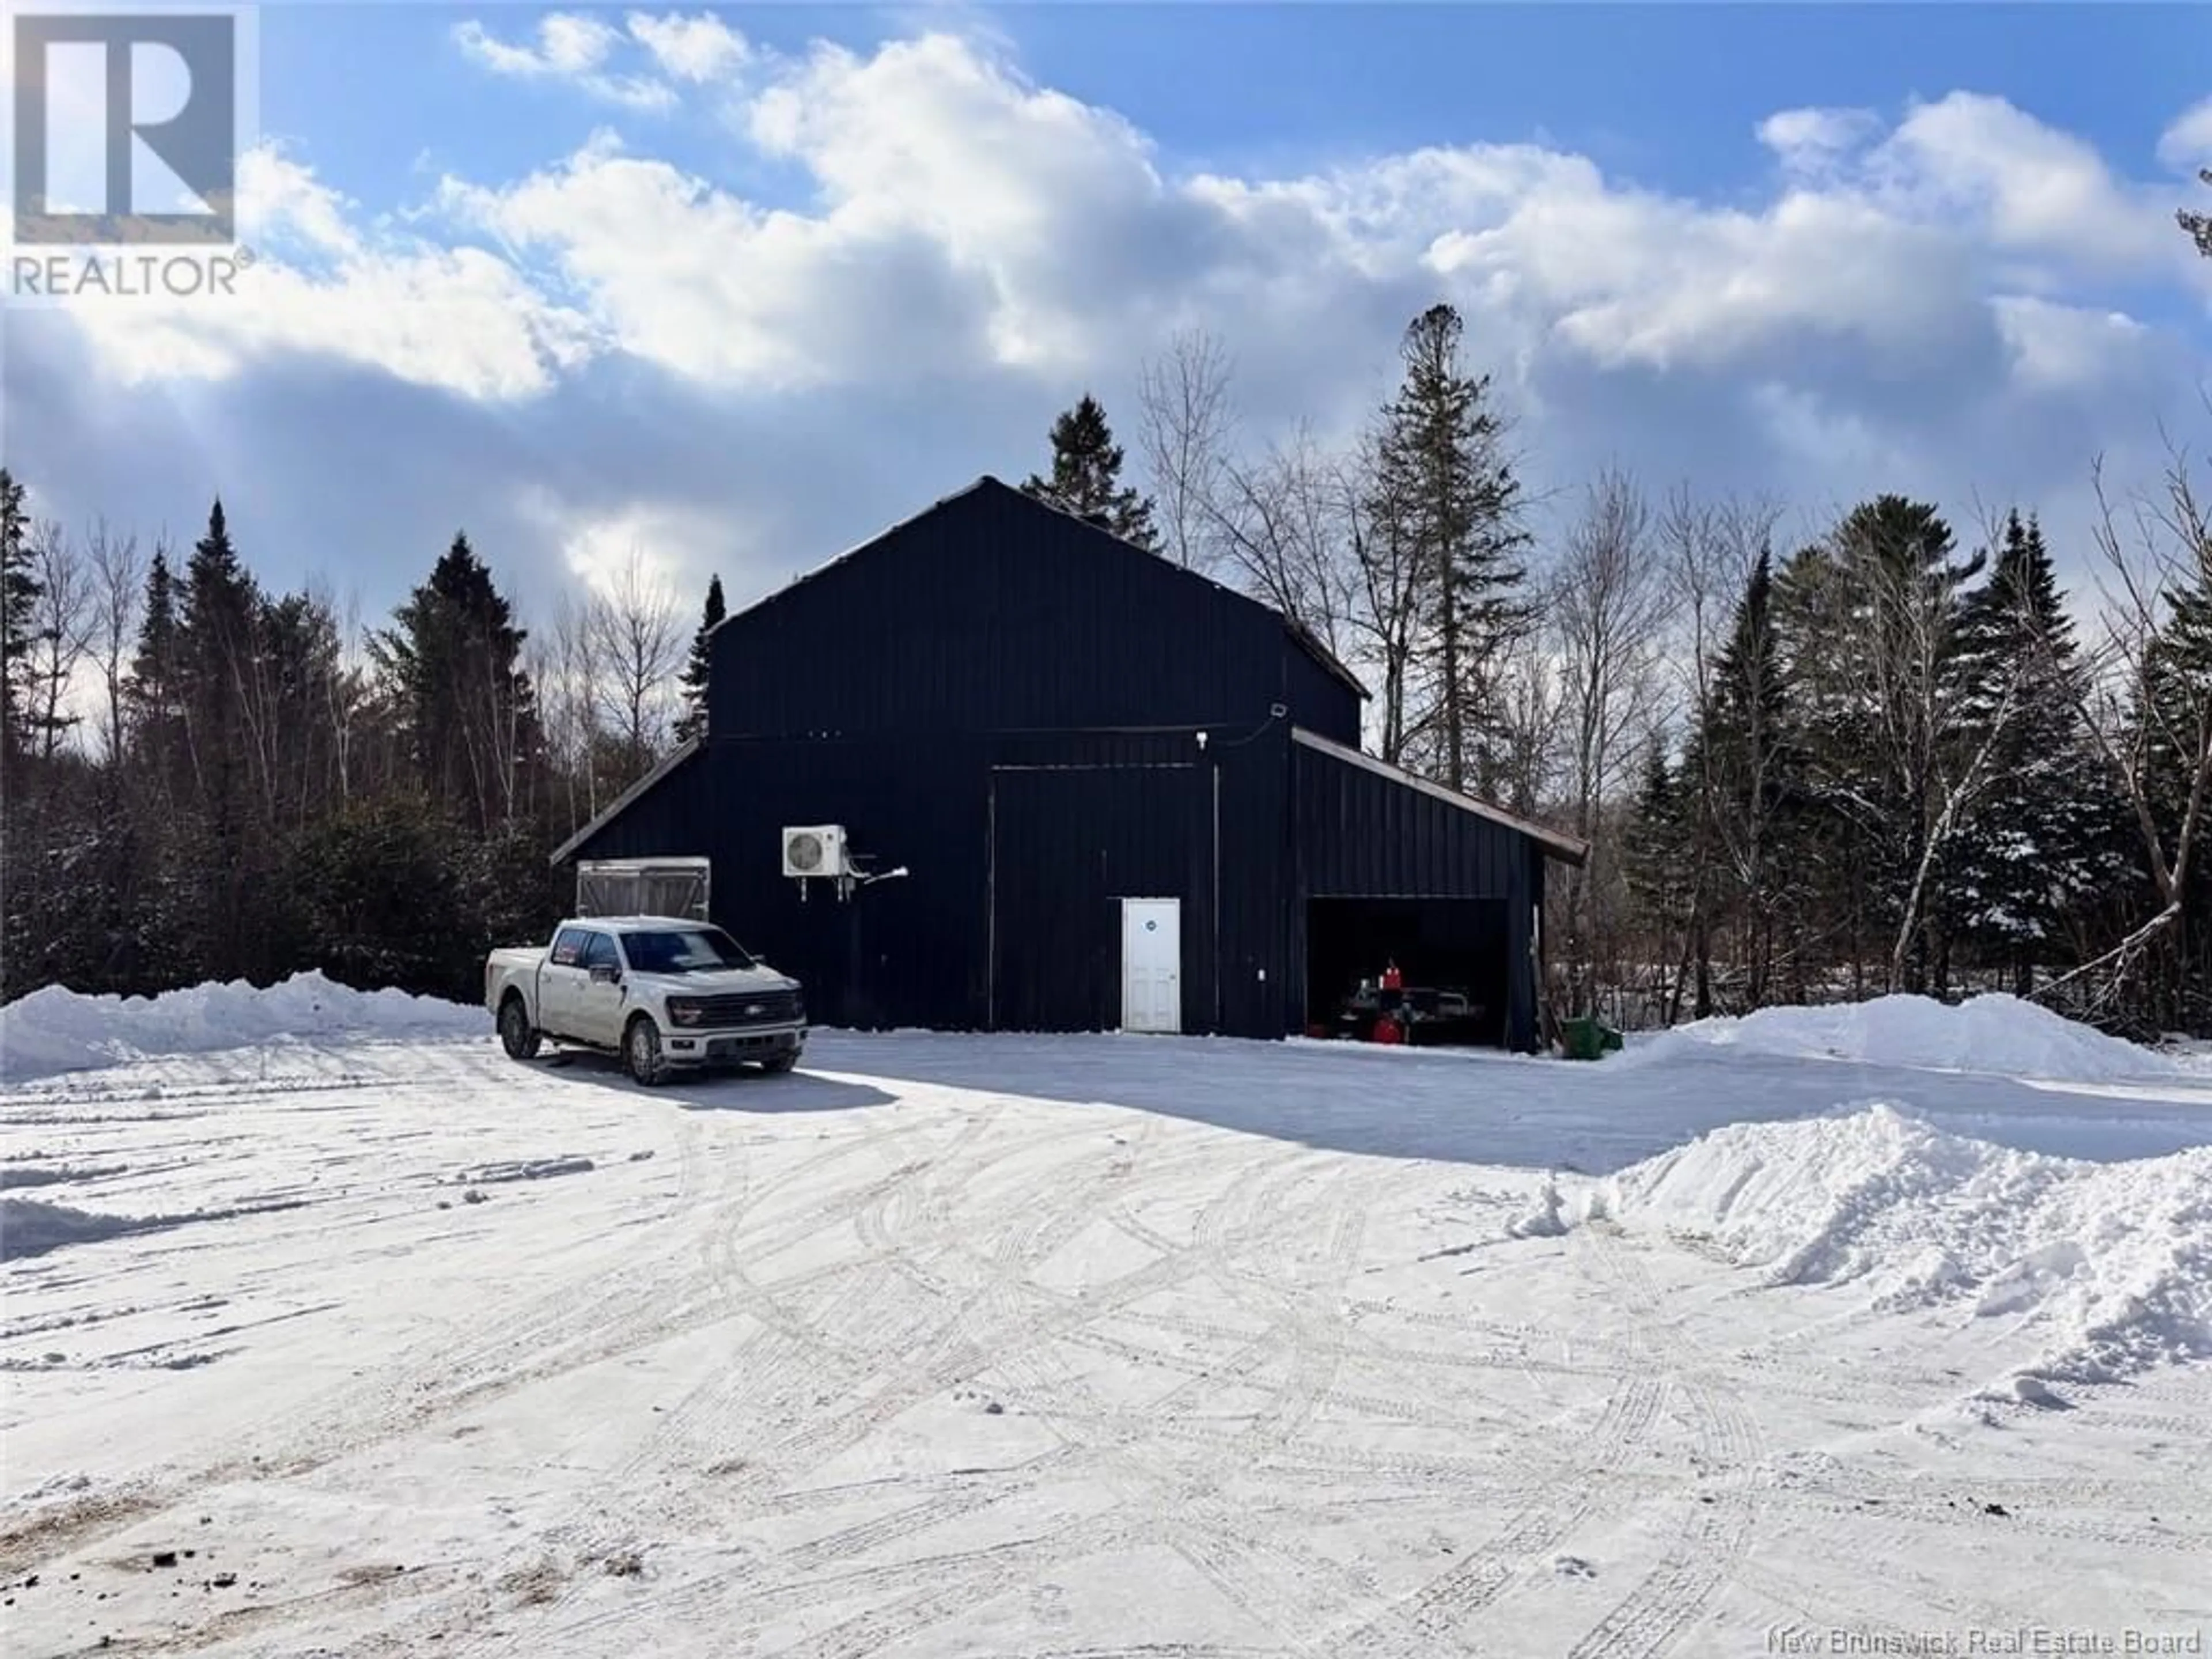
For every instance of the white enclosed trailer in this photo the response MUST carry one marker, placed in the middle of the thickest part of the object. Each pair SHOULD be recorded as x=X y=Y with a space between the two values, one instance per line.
x=643 y=887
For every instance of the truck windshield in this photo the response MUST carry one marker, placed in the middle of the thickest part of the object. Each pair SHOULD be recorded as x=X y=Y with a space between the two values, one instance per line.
x=685 y=951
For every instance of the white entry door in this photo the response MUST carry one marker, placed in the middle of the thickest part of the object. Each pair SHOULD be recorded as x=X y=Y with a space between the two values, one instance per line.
x=1151 y=964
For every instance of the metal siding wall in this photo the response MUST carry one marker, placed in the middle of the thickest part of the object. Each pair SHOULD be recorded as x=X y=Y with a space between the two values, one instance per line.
x=919 y=951
x=990 y=614
x=1069 y=844
x=1365 y=836
x=885 y=957
x=1327 y=705
x=1258 y=881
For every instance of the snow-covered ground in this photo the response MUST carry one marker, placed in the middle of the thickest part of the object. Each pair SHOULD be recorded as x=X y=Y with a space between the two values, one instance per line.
x=330 y=1331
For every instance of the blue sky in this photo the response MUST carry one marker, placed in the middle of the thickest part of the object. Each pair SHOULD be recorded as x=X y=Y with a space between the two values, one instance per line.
x=683 y=283
x=1662 y=94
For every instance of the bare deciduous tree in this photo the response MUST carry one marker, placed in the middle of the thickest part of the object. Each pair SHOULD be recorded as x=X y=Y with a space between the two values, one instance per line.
x=1530 y=699
x=1283 y=525
x=637 y=643
x=1609 y=606
x=63 y=621
x=1186 y=431
x=118 y=575
x=1386 y=612
x=561 y=669
x=1709 y=550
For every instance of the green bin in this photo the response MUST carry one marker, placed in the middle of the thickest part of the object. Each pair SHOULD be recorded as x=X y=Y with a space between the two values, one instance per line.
x=1578 y=1038
x=1588 y=1038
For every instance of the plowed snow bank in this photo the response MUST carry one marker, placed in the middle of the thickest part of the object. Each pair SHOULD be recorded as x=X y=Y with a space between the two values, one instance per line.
x=55 y=1029
x=1996 y=1033
x=2110 y=1263
x=28 y=1227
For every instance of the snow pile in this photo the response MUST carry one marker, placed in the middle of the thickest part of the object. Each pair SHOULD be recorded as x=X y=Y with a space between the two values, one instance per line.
x=1995 y=1033
x=1546 y=1219
x=2109 y=1265
x=55 y=1029
x=28 y=1227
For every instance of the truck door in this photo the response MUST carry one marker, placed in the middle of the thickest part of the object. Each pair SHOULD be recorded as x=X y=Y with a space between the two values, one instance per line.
x=601 y=1001
x=559 y=980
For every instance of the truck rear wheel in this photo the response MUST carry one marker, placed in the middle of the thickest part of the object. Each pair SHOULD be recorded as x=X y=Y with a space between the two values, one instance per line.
x=516 y=1034
x=641 y=1054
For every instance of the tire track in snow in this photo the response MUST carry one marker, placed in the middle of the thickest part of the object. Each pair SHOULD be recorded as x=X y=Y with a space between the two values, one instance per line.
x=1440 y=1608
x=1272 y=1585
x=1716 y=1525
x=1014 y=1326
x=950 y=1353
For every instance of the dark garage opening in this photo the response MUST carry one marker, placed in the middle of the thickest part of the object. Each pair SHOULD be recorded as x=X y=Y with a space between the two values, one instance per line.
x=1438 y=943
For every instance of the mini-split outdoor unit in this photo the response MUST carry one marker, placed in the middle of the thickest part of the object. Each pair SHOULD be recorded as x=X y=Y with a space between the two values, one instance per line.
x=815 y=850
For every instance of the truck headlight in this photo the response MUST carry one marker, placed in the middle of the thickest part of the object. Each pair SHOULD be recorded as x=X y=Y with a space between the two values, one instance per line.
x=682 y=1012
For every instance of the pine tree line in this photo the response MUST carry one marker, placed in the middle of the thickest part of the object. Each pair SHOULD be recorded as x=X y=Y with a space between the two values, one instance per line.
x=271 y=787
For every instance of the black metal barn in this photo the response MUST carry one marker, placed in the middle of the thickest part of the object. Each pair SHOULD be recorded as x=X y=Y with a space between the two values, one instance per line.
x=1048 y=728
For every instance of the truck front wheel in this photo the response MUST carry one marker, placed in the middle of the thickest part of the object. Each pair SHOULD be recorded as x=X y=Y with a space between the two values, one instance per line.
x=641 y=1054
x=516 y=1034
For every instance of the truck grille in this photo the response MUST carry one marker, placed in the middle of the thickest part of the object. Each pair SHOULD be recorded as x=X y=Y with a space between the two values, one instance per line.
x=759 y=1008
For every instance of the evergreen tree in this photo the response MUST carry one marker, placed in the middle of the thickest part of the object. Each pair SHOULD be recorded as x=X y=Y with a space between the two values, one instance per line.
x=380 y=890
x=452 y=668
x=1661 y=873
x=19 y=589
x=1452 y=498
x=151 y=690
x=2174 y=714
x=692 y=722
x=1872 y=619
x=216 y=649
x=1086 y=478
x=2177 y=688
x=2042 y=841
x=1748 y=766
x=214 y=630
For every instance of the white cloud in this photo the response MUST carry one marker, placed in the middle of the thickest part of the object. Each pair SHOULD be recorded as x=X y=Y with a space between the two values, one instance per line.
x=1816 y=141
x=966 y=220
x=2070 y=348
x=2186 y=144
x=569 y=47
x=454 y=318
x=695 y=49
x=666 y=541
x=708 y=288
x=2025 y=186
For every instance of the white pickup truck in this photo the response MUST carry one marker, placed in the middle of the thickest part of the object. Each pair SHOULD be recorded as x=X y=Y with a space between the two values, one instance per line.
x=661 y=991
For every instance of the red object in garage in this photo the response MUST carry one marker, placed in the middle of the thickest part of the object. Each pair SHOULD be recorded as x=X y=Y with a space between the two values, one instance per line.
x=1387 y=1029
